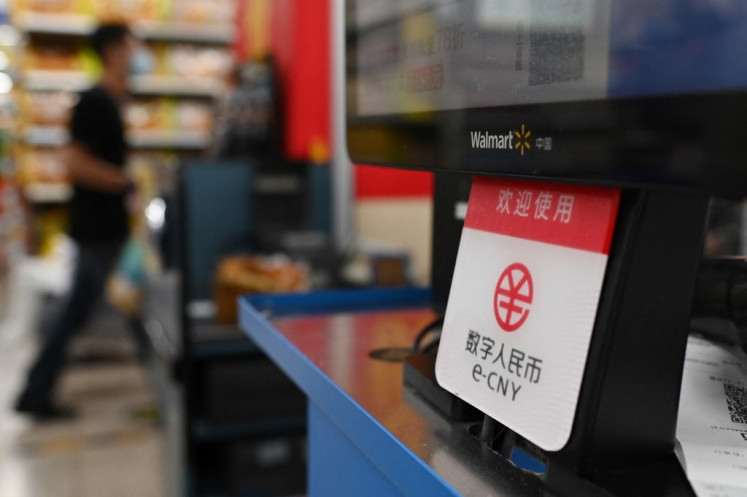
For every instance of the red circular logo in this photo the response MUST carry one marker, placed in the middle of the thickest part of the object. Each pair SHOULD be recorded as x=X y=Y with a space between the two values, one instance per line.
x=513 y=297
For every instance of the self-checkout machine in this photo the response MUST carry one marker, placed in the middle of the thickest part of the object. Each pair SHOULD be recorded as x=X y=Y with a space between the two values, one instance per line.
x=594 y=152
x=572 y=336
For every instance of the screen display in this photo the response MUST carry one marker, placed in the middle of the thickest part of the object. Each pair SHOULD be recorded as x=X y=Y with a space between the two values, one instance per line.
x=476 y=53
x=603 y=91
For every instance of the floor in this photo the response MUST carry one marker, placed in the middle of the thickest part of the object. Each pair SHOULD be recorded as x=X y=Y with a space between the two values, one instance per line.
x=113 y=447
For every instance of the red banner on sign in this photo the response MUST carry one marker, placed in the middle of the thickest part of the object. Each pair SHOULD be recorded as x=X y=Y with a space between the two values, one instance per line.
x=579 y=217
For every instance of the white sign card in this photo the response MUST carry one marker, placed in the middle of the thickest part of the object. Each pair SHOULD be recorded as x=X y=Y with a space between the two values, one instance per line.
x=523 y=301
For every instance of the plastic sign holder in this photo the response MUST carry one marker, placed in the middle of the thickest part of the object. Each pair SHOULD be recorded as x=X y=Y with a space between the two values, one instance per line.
x=587 y=290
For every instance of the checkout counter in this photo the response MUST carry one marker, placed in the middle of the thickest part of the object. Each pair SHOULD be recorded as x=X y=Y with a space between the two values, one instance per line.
x=369 y=435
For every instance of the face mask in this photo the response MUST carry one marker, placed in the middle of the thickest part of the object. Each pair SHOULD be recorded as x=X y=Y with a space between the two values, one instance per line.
x=141 y=63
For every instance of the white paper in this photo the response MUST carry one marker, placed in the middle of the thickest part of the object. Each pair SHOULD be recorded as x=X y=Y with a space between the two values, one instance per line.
x=712 y=422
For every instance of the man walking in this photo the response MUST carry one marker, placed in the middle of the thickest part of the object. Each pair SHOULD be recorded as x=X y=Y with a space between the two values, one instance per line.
x=95 y=158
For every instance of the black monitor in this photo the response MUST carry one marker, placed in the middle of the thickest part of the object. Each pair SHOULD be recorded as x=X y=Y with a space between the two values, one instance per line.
x=627 y=93
x=649 y=97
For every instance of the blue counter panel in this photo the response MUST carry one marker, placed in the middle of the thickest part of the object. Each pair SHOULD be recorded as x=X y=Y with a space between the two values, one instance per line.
x=368 y=434
x=330 y=301
x=346 y=427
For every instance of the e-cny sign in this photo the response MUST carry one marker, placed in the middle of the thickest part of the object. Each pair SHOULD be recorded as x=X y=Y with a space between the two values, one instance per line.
x=523 y=302
x=513 y=297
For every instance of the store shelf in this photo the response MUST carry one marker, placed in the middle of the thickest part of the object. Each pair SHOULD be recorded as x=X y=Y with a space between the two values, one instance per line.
x=55 y=80
x=173 y=86
x=169 y=140
x=55 y=136
x=55 y=24
x=186 y=32
x=79 y=25
x=76 y=81
x=46 y=136
x=46 y=193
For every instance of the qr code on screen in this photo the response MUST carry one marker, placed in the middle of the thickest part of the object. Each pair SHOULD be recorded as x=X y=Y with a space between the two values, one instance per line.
x=736 y=402
x=557 y=42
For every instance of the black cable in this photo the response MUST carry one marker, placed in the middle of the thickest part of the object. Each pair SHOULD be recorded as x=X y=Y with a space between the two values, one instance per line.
x=489 y=431
x=507 y=443
x=433 y=344
x=497 y=436
x=416 y=346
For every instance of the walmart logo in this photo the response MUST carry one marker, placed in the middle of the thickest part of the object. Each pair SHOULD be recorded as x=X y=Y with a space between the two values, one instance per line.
x=522 y=142
x=513 y=140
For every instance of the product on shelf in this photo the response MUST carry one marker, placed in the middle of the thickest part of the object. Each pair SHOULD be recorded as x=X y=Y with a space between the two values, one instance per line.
x=132 y=11
x=237 y=275
x=156 y=53
x=197 y=62
x=49 y=6
x=41 y=165
x=169 y=115
x=144 y=12
x=149 y=114
x=7 y=116
x=60 y=55
x=204 y=11
x=47 y=108
x=9 y=55
x=185 y=61
x=194 y=116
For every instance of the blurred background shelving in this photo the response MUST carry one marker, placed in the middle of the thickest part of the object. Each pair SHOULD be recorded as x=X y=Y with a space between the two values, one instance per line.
x=241 y=93
x=170 y=113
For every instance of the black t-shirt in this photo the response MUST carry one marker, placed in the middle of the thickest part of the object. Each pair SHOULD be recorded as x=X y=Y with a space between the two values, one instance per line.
x=97 y=124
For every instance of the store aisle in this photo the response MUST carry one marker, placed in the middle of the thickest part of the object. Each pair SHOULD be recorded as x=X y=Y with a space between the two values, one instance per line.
x=111 y=448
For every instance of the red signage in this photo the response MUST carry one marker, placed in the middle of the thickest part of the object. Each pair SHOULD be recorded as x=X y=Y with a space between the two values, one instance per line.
x=567 y=215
